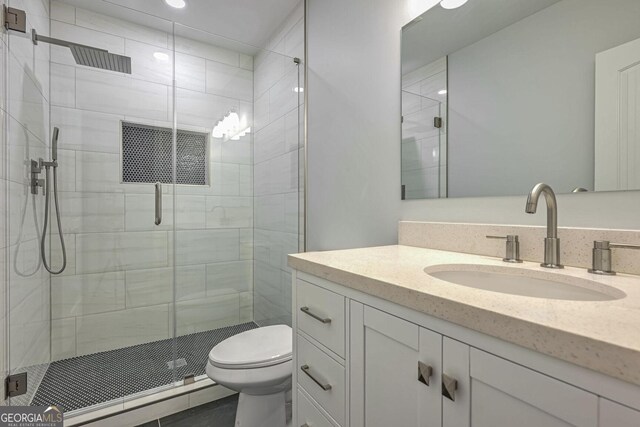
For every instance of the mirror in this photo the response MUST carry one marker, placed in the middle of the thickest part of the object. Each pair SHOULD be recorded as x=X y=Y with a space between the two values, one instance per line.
x=498 y=95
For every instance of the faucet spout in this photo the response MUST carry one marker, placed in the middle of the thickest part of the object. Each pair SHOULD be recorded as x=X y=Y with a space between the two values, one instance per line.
x=551 y=242
x=552 y=207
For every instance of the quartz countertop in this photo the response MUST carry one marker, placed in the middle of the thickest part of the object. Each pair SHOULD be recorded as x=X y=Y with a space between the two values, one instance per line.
x=600 y=335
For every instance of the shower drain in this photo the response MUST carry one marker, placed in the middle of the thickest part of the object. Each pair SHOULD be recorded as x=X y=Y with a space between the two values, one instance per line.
x=175 y=364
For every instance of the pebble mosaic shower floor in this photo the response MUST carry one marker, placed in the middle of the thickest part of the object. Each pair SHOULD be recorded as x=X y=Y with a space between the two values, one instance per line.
x=88 y=380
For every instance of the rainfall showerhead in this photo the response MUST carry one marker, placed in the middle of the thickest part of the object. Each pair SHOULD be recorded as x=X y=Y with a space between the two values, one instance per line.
x=90 y=56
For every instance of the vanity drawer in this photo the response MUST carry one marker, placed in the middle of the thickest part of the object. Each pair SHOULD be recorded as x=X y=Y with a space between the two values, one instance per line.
x=320 y=314
x=309 y=415
x=322 y=377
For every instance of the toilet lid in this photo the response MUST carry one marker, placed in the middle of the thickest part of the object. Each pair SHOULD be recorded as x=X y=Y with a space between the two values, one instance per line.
x=256 y=348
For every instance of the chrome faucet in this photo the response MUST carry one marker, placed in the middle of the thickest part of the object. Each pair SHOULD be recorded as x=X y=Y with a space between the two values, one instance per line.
x=551 y=242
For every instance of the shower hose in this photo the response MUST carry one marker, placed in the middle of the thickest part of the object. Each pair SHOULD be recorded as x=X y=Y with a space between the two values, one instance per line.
x=46 y=220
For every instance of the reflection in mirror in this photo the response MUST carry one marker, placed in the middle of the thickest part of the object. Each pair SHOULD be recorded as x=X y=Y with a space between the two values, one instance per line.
x=498 y=95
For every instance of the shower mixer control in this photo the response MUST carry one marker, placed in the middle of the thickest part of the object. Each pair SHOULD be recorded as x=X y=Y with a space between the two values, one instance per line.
x=36 y=182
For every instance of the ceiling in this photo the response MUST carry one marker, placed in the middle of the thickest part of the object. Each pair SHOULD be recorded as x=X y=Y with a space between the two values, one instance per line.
x=439 y=32
x=250 y=22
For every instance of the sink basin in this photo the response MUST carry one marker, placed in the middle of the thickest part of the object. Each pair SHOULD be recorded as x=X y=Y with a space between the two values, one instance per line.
x=523 y=282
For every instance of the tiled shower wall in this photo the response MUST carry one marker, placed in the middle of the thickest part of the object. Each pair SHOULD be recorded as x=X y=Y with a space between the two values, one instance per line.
x=278 y=168
x=117 y=289
x=24 y=118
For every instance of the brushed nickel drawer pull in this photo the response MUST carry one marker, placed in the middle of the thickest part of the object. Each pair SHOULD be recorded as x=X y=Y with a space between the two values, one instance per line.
x=307 y=370
x=306 y=310
x=158 y=204
x=449 y=387
x=424 y=373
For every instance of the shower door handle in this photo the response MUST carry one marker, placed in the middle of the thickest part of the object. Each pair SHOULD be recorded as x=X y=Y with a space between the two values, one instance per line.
x=158 y=203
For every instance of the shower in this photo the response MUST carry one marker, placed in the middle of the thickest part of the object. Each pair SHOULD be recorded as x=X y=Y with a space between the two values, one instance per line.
x=36 y=168
x=88 y=55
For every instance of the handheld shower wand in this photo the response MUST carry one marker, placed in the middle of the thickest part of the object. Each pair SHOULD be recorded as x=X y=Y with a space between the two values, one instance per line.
x=52 y=164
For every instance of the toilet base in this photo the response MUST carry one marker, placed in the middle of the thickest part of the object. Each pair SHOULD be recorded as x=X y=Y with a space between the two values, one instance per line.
x=261 y=411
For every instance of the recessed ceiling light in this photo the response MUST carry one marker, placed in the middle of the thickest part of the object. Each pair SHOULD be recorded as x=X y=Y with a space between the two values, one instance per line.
x=178 y=4
x=161 y=56
x=442 y=92
x=450 y=4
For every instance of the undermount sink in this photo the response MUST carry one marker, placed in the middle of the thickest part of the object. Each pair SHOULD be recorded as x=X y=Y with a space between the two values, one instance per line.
x=523 y=282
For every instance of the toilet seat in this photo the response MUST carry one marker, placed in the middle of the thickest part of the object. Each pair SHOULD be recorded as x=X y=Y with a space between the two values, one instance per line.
x=257 y=348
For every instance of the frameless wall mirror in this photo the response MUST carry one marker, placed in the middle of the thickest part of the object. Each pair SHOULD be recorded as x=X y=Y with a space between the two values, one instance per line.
x=498 y=95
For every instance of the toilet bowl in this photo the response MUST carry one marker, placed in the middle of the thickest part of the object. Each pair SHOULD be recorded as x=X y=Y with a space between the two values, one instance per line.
x=257 y=364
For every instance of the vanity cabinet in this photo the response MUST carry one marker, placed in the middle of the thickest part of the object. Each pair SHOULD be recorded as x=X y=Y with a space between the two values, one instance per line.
x=396 y=367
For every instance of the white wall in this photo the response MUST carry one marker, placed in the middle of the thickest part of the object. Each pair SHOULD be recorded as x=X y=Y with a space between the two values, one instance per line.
x=354 y=138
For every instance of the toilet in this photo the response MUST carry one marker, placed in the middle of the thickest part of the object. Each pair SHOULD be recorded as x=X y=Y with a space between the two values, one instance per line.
x=257 y=364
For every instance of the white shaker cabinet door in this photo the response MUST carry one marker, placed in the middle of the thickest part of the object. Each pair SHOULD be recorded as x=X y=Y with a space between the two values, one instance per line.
x=393 y=366
x=615 y=415
x=507 y=394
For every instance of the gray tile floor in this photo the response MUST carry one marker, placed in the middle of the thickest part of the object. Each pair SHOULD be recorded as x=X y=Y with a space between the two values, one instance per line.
x=221 y=413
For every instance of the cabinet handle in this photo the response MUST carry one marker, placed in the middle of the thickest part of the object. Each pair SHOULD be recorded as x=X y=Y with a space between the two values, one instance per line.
x=449 y=387
x=307 y=370
x=424 y=373
x=306 y=310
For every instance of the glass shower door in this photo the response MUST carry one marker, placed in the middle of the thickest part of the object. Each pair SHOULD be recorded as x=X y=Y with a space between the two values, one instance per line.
x=101 y=329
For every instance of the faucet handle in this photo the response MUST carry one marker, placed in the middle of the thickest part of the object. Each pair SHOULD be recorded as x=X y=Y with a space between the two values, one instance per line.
x=602 y=256
x=512 y=248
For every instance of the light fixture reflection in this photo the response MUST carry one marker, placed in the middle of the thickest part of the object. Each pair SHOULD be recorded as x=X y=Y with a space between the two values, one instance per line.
x=452 y=4
x=161 y=56
x=231 y=127
x=298 y=89
x=178 y=4
x=442 y=92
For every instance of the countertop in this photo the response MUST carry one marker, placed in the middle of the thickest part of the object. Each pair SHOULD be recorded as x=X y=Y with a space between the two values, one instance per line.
x=600 y=335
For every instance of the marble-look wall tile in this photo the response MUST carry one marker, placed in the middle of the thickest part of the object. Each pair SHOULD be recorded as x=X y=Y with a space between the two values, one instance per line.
x=269 y=142
x=190 y=72
x=246 y=307
x=207 y=313
x=121 y=28
x=208 y=51
x=87 y=294
x=63 y=85
x=206 y=246
x=76 y=34
x=101 y=252
x=63 y=12
x=63 y=338
x=125 y=328
x=92 y=212
x=140 y=212
x=120 y=94
x=87 y=130
x=155 y=286
x=229 y=212
x=229 y=81
x=229 y=277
